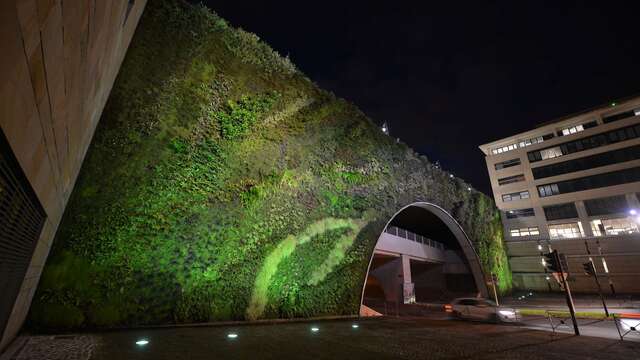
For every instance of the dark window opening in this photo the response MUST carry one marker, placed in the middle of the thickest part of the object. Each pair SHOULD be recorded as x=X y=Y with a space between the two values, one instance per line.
x=512 y=214
x=591 y=182
x=619 y=116
x=506 y=164
x=511 y=179
x=607 y=205
x=591 y=142
x=561 y=211
x=590 y=125
x=589 y=162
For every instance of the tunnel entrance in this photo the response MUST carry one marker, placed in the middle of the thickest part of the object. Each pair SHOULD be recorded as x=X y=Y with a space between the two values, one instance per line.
x=422 y=256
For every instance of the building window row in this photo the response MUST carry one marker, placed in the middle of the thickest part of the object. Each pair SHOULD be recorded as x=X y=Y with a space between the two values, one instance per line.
x=515 y=196
x=505 y=148
x=590 y=142
x=589 y=162
x=528 y=231
x=560 y=211
x=511 y=179
x=591 y=182
x=508 y=163
x=566 y=231
x=535 y=140
x=513 y=214
x=577 y=128
x=621 y=116
x=571 y=130
x=606 y=206
x=620 y=226
x=599 y=227
x=521 y=144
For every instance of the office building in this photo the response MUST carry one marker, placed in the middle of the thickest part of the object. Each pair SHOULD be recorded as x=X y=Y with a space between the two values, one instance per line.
x=572 y=185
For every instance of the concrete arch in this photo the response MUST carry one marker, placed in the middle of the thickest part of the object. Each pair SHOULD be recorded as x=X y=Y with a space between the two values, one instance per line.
x=470 y=254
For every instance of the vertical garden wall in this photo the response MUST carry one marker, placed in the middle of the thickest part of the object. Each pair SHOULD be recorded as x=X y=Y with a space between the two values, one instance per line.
x=223 y=184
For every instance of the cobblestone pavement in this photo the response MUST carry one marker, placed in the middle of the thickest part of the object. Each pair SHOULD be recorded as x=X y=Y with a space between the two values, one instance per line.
x=406 y=338
x=64 y=347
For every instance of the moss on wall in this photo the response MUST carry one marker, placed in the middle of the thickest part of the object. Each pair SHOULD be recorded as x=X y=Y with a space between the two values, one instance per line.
x=223 y=184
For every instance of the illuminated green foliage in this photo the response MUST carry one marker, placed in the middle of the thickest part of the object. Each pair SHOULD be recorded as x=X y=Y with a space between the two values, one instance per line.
x=287 y=246
x=222 y=184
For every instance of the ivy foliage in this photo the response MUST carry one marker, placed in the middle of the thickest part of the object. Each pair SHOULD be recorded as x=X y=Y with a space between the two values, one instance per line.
x=222 y=184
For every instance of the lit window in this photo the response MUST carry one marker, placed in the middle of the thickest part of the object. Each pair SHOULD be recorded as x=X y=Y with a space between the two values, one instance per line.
x=505 y=148
x=528 y=231
x=565 y=231
x=572 y=130
x=515 y=196
x=620 y=226
x=548 y=190
x=551 y=153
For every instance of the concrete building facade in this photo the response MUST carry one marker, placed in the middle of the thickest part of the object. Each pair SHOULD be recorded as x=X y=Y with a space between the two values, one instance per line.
x=572 y=185
x=58 y=62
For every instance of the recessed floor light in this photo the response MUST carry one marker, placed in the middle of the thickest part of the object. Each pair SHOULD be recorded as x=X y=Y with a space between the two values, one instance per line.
x=315 y=329
x=232 y=336
x=142 y=342
x=355 y=326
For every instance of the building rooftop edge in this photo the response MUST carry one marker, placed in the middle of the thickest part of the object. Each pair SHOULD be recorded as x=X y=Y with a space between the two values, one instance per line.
x=551 y=123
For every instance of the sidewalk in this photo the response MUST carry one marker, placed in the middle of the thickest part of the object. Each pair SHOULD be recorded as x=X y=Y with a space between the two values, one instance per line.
x=621 y=303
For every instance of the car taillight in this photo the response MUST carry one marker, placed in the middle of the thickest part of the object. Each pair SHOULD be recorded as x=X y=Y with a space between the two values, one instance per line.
x=448 y=308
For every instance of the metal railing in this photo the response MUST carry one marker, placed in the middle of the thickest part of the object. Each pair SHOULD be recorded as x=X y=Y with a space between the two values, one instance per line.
x=406 y=234
x=627 y=324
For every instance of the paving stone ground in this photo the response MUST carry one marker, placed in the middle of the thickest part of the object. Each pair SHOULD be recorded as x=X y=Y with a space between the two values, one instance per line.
x=405 y=338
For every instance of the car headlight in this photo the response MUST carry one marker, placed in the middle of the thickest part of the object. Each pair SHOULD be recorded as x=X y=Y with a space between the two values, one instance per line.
x=507 y=312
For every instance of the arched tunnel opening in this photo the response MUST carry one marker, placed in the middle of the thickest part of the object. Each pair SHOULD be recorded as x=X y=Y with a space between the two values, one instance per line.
x=422 y=256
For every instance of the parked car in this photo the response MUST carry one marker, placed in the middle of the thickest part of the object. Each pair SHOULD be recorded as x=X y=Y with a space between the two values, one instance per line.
x=481 y=309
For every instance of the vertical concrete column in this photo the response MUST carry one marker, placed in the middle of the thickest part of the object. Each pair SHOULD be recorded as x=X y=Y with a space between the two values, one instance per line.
x=541 y=221
x=584 y=218
x=408 y=289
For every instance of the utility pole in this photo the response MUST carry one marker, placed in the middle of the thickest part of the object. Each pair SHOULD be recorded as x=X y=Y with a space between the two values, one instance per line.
x=557 y=264
x=590 y=270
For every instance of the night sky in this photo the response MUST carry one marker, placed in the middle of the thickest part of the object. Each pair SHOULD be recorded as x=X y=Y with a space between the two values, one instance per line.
x=449 y=76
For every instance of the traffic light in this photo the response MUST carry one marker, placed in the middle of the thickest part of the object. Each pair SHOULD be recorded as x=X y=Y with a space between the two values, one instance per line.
x=589 y=269
x=551 y=261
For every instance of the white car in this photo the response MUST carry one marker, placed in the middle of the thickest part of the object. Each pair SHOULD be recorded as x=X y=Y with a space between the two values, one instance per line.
x=481 y=309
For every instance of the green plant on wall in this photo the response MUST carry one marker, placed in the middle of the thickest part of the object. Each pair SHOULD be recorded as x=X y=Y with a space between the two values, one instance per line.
x=287 y=247
x=222 y=184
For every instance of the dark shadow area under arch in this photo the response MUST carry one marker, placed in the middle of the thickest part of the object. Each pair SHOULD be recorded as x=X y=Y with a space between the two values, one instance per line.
x=395 y=272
